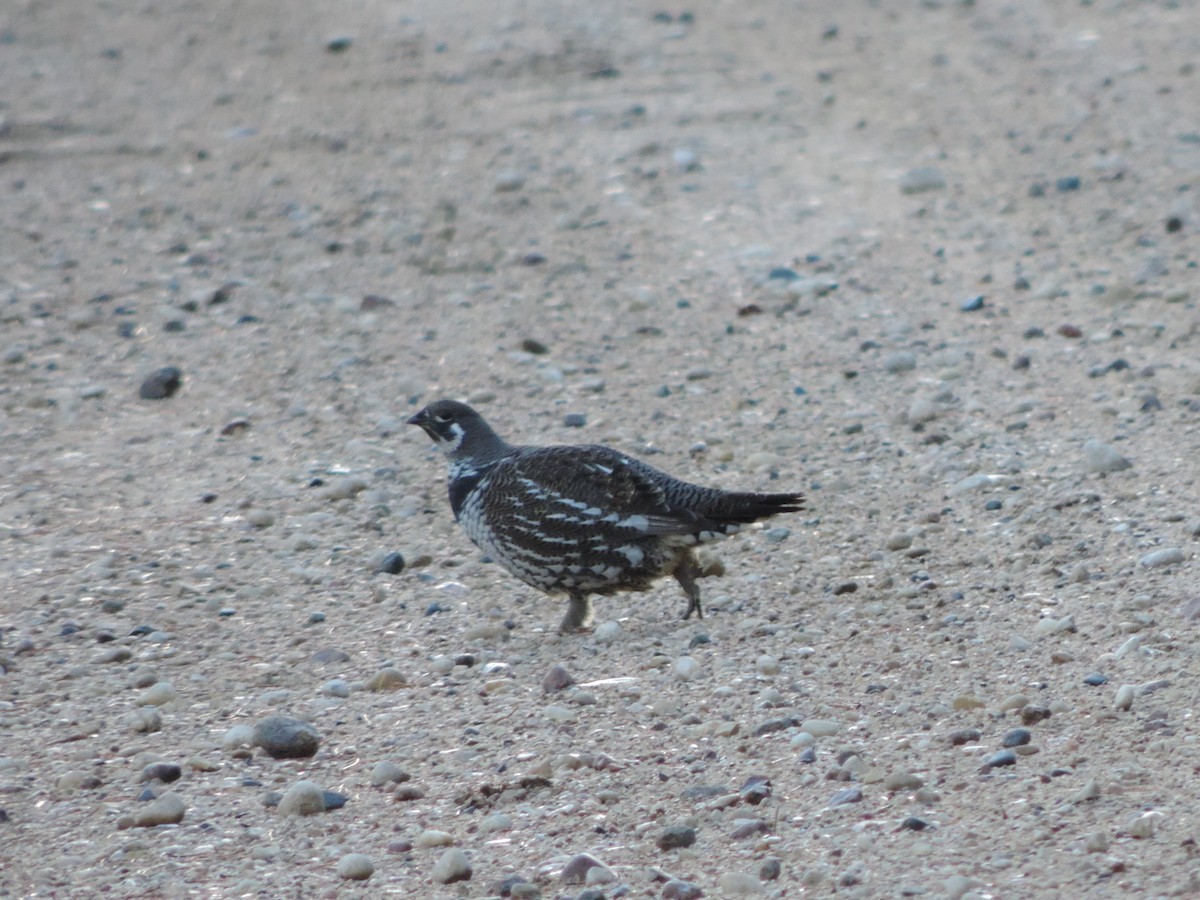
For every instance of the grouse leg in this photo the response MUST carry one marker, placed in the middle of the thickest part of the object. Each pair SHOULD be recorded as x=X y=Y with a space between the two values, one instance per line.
x=686 y=574
x=579 y=613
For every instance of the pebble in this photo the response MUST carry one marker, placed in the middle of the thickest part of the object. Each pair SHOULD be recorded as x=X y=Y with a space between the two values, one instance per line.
x=161 y=771
x=777 y=535
x=676 y=836
x=145 y=721
x=508 y=181
x=845 y=796
x=302 y=799
x=1018 y=737
x=355 y=867
x=740 y=884
x=685 y=159
x=1124 y=697
x=282 y=737
x=687 y=669
x=898 y=541
x=391 y=564
x=900 y=361
x=557 y=678
x=574 y=420
x=770 y=868
x=767 y=664
x=432 y=837
x=576 y=869
x=998 y=760
x=1145 y=825
x=607 y=633
x=386 y=771
x=451 y=867
x=386 y=679
x=497 y=821
x=922 y=179
x=820 y=727
x=1168 y=556
x=166 y=810
x=157 y=695
x=238 y=736
x=971 y=304
x=260 y=518
x=336 y=687
x=161 y=384
x=1102 y=458
x=675 y=889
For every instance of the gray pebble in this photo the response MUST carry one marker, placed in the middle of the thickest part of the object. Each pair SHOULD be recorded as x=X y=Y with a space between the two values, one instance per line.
x=1018 y=737
x=576 y=869
x=355 y=867
x=845 y=796
x=778 y=534
x=508 y=181
x=1168 y=556
x=999 y=759
x=675 y=836
x=166 y=810
x=556 y=679
x=919 y=180
x=770 y=868
x=302 y=799
x=387 y=771
x=336 y=687
x=161 y=384
x=451 y=867
x=900 y=361
x=971 y=304
x=1102 y=458
x=681 y=890
x=286 y=738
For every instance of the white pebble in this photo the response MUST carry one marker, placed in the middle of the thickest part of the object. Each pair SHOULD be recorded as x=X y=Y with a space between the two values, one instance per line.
x=302 y=799
x=739 y=884
x=355 y=867
x=238 y=736
x=496 y=822
x=431 y=837
x=820 y=727
x=687 y=669
x=767 y=664
x=607 y=632
x=451 y=867
x=157 y=694
x=1145 y=825
x=1124 y=697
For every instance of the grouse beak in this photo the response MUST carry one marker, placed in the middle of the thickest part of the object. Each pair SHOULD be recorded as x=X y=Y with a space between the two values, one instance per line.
x=420 y=419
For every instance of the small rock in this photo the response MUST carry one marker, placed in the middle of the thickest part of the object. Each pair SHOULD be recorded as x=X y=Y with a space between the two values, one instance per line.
x=166 y=810
x=157 y=695
x=676 y=889
x=1124 y=697
x=576 y=869
x=770 y=868
x=607 y=633
x=687 y=669
x=386 y=679
x=385 y=772
x=900 y=361
x=557 y=678
x=161 y=384
x=282 y=737
x=574 y=420
x=739 y=884
x=391 y=564
x=336 y=687
x=451 y=867
x=1018 y=737
x=999 y=759
x=302 y=799
x=1102 y=458
x=846 y=795
x=355 y=867
x=675 y=836
x=922 y=179
x=1144 y=825
x=506 y=182
x=1168 y=556
x=432 y=837
x=164 y=772
x=971 y=304
x=898 y=541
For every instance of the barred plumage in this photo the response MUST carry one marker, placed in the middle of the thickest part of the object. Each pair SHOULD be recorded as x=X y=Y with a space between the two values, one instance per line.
x=586 y=519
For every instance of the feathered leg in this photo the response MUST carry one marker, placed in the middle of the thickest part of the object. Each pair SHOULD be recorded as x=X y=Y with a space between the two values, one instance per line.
x=686 y=574
x=579 y=613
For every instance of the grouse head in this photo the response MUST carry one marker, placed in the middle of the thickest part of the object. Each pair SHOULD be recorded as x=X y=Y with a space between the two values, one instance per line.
x=460 y=432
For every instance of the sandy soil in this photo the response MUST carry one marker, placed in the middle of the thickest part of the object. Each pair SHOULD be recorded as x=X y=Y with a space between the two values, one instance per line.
x=217 y=186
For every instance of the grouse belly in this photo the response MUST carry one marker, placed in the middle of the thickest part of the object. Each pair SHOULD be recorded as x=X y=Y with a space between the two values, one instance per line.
x=573 y=552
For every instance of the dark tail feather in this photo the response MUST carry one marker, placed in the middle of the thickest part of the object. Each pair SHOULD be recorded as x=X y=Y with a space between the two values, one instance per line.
x=743 y=508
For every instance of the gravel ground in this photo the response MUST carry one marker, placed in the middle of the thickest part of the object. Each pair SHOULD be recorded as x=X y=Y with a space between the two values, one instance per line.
x=933 y=264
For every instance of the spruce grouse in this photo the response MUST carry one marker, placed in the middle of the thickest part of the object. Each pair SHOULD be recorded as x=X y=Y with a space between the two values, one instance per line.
x=582 y=520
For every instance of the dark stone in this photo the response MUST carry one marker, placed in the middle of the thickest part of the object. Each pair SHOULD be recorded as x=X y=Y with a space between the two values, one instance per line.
x=282 y=737
x=971 y=304
x=846 y=795
x=574 y=420
x=675 y=837
x=161 y=384
x=993 y=505
x=161 y=771
x=756 y=789
x=333 y=800
x=963 y=736
x=1018 y=737
x=537 y=348
x=681 y=890
x=1095 y=679
x=770 y=869
x=912 y=823
x=783 y=273
x=328 y=655
x=392 y=564
x=375 y=301
x=998 y=760
x=1067 y=183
